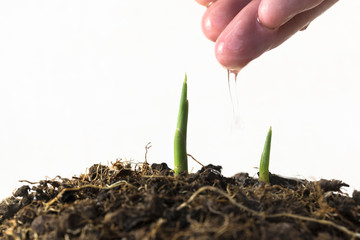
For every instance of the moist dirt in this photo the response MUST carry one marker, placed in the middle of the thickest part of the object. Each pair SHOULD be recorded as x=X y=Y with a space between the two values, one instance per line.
x=148 y=202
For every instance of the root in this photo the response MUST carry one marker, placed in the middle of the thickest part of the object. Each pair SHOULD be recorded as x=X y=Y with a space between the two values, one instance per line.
x=263 y=215
x=196 y=160
x=214 y=189
x=48 y=204
x=320 y=221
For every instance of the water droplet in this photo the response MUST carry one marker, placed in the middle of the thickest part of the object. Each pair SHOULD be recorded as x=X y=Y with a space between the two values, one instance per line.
x=232 y=78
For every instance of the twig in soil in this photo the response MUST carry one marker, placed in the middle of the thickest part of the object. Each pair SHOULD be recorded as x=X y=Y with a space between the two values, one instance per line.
x=28 y=182
x=196 y=160
x=145 y=165
x=262 y=214
x=118 y=183
x=52 y=179
x=147 y=147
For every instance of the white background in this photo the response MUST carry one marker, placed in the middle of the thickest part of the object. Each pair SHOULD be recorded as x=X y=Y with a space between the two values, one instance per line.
x=84 y=82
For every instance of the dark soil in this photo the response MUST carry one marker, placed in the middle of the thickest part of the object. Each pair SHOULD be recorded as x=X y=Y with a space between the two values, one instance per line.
x=148 y=202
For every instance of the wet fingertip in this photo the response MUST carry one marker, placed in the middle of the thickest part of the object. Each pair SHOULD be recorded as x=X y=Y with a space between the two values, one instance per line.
x=267 y=17
x=205 y=3
x=227 y=58
x=210 y=3
x=272 y=28
x=262 y=11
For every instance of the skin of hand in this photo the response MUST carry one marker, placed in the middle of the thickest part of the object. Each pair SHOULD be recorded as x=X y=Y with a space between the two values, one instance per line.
x=244 y=29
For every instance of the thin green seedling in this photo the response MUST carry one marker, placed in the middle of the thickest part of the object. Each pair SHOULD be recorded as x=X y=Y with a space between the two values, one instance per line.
x=264 y=162
x=180 y=154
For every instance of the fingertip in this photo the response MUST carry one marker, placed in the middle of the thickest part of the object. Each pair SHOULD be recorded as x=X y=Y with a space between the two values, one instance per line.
x=227 y=59
x=267 y=16
x=219 y=15
x=208 y=28
x=205 y=3
x=244 y=39
x=275 y=13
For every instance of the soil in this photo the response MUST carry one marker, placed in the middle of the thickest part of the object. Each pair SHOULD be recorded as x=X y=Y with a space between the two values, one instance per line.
x=148 y=202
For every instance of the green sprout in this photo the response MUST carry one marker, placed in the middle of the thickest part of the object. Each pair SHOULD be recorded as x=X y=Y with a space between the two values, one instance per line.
x=180 y=154
x=264 y=162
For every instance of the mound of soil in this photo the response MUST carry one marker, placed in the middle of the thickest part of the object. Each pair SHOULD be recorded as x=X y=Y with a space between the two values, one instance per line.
x=149 y=202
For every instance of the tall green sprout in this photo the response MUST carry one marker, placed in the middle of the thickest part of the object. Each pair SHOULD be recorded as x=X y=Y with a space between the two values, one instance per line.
x=180 y=154
x=264 y=162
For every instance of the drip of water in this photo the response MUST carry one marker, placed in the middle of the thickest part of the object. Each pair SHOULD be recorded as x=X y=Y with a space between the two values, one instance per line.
x=232 y=77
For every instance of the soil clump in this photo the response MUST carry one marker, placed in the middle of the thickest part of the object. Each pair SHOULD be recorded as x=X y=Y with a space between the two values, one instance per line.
x=148 y=202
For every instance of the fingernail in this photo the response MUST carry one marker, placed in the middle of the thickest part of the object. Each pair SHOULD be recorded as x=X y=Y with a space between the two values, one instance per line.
x=305 y=27
x=210 y=3
x=263 y=25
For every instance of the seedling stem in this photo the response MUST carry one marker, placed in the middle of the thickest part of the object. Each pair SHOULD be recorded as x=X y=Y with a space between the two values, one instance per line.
x=264 y=162
x=180 y=156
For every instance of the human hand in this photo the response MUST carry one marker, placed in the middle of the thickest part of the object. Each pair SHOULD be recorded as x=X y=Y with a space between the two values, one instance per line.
x=245 y=29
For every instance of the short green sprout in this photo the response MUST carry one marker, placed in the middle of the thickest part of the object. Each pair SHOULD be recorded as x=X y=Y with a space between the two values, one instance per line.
x=180 y=154
x=264 y=162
